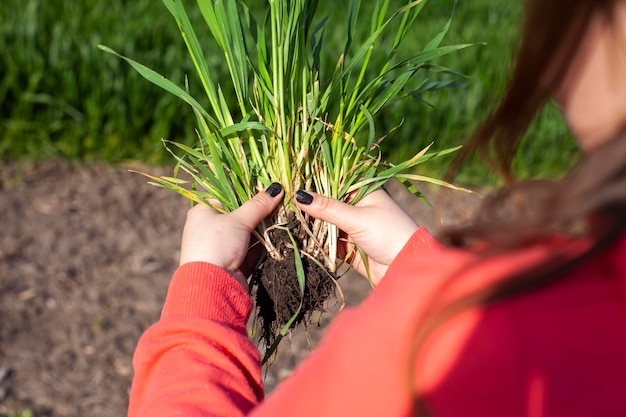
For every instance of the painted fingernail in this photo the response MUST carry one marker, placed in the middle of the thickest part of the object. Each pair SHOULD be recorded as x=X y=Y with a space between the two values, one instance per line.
x=274 y=189
x=303 y=197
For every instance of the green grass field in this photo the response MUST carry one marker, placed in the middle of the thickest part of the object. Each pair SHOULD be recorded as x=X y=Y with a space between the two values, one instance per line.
x=61 y=96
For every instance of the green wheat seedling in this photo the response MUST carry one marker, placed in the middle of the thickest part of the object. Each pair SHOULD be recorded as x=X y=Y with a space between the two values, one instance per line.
x=289 y=124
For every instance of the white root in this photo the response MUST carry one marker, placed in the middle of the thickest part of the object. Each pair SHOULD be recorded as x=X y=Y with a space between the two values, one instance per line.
x=321 y=239
x=333 y=234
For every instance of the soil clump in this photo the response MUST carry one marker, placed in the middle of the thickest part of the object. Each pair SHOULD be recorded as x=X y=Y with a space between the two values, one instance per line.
x=279 y=297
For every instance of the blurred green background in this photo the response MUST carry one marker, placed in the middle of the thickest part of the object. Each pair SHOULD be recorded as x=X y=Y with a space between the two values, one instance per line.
x=60 y=96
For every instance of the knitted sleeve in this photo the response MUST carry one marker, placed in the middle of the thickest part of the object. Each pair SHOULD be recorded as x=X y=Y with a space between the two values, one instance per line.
x=197 y=360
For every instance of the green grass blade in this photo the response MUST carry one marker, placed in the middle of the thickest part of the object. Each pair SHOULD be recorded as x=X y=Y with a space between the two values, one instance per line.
x=159 y=80
x=436 y=41
x=177 y=10
x=435 y=181
x=162 y=182
x=430 y=55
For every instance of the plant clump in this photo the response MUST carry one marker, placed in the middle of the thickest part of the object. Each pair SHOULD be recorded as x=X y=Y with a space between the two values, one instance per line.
x=279 y=298
x=293 y=122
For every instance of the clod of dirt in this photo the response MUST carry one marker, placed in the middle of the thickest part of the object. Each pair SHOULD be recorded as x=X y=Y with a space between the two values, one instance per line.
x=278 y=294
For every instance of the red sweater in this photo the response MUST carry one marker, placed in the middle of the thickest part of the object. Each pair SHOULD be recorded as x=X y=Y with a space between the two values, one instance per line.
x=560 y=351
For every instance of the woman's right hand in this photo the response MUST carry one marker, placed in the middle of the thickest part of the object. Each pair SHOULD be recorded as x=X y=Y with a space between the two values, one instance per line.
x=376 y=224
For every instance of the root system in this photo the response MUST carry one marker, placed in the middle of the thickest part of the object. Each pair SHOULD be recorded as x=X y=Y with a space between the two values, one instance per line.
x=278 y=294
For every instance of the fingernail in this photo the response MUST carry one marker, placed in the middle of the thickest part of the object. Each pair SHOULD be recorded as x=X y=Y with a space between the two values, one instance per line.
x=274 y=189
x=303 y=197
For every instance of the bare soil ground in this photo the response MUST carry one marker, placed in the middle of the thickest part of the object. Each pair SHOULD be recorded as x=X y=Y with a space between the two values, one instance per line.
x=86 y=254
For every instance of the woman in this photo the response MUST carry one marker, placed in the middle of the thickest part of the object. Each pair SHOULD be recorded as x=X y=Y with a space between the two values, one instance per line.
x=523 y=314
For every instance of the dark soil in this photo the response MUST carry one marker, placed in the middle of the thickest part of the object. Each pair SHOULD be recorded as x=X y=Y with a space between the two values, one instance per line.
x=278 y=293
x=86 y=255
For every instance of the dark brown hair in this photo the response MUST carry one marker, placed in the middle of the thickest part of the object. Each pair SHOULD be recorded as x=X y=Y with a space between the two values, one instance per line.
x=524 y=212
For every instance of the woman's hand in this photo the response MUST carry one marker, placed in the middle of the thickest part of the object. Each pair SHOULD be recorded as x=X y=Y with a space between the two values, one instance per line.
x=376 y=224
x=224 y=239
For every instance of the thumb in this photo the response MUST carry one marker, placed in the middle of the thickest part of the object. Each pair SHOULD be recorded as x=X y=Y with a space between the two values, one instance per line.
x=342 y=215
x=253 y=211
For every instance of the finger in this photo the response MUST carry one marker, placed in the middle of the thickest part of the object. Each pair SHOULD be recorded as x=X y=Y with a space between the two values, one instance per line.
x=259 y=207
x=256 y=251
x=378 y=197
x=202 y=210
x=354 y=259
x=348 y=252
x=215 y=204
x=343 y=215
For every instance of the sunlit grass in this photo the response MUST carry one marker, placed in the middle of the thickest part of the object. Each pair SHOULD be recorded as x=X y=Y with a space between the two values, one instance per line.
x=59 y=95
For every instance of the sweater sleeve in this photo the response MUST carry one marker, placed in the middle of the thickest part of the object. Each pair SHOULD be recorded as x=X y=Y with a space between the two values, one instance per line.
x=197 y=360
x=420 y=243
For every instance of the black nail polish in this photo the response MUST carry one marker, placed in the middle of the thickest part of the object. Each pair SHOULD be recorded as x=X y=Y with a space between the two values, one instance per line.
x=274 y=189
x=303 y=197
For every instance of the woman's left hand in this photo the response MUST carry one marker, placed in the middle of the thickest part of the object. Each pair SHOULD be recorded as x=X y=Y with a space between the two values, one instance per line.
x=224 y=239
